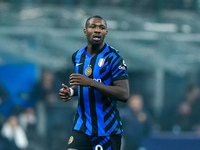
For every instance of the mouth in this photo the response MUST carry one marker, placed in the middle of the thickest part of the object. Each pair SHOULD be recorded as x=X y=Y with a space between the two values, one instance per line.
x=96 y=38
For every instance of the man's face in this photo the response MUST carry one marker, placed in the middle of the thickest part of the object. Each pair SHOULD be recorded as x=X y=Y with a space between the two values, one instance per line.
x=95 y=31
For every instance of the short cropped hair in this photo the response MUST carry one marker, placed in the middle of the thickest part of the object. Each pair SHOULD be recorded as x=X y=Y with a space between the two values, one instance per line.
x=96 y=16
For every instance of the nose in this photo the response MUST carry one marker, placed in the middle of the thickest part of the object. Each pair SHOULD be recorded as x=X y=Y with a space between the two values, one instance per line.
x=97 y=29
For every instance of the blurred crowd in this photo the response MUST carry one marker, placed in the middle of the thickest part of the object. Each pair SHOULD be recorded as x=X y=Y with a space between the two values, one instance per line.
x=187 y=115
x=184 y=116
x=31 y=128
x=137 y=123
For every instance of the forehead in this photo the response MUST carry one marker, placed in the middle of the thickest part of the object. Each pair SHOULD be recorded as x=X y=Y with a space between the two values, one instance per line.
x=96 y=21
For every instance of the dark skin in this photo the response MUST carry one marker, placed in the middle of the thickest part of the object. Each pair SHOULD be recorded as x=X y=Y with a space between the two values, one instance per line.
x=95 y=31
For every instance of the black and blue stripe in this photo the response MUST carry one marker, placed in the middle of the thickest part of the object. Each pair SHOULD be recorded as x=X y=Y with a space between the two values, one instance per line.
x=97 y=114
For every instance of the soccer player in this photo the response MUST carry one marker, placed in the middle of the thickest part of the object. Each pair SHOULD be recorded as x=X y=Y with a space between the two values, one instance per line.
x=100 y=81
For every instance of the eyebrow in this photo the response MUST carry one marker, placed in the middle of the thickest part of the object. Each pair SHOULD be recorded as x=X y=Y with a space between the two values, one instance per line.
x=98 y=25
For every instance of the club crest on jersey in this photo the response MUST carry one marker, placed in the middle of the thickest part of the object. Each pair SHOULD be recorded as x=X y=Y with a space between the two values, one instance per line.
x=88 y=71
x=101 y=62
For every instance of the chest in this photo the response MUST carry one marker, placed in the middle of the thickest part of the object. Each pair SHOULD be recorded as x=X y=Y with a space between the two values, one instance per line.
x=93 y=67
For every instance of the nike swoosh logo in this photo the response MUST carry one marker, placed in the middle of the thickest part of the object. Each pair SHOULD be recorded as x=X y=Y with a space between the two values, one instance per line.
x=79 y=64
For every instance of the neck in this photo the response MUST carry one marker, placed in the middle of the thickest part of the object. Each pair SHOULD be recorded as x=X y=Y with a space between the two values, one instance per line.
x=93 y=50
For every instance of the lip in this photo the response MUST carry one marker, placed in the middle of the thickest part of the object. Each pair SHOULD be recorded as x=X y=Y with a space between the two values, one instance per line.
x=96 y=37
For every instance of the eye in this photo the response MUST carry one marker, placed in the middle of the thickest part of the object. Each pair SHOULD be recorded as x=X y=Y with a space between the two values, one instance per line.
x=102 y=27
x=92 y=26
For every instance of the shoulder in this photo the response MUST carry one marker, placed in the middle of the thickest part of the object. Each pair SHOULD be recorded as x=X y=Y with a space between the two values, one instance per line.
x=114 y=51
x=112 y=54
x=78 y=52
x=115 y=56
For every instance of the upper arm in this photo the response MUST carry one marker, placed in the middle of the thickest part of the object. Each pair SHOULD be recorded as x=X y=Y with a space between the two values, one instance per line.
x=124 y=86
x=120 y=76
x=118 y=68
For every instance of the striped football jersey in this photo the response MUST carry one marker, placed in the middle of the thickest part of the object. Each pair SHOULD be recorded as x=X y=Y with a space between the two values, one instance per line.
x=97 y=114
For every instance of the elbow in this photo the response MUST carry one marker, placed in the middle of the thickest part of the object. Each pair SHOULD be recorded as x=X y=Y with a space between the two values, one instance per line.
x=124 y=97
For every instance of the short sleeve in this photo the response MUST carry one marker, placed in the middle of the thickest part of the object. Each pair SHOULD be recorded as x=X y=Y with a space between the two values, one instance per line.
x=118 y=68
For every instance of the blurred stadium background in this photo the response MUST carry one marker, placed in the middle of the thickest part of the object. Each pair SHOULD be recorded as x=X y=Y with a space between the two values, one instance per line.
x=158 y=39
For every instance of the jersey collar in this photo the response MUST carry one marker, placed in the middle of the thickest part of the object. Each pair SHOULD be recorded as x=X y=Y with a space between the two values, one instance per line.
x=98 y=52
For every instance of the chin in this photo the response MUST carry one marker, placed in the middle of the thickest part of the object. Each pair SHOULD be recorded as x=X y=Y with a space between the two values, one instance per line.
x=96 y=44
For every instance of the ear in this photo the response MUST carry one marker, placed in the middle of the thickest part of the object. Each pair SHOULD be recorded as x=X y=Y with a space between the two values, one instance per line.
x=106 y=33
x=85 y=32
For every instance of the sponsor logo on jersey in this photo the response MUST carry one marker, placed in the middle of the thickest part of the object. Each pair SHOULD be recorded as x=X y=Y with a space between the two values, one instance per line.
x=98 y=147
x=78 y=64
x=98 y=80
